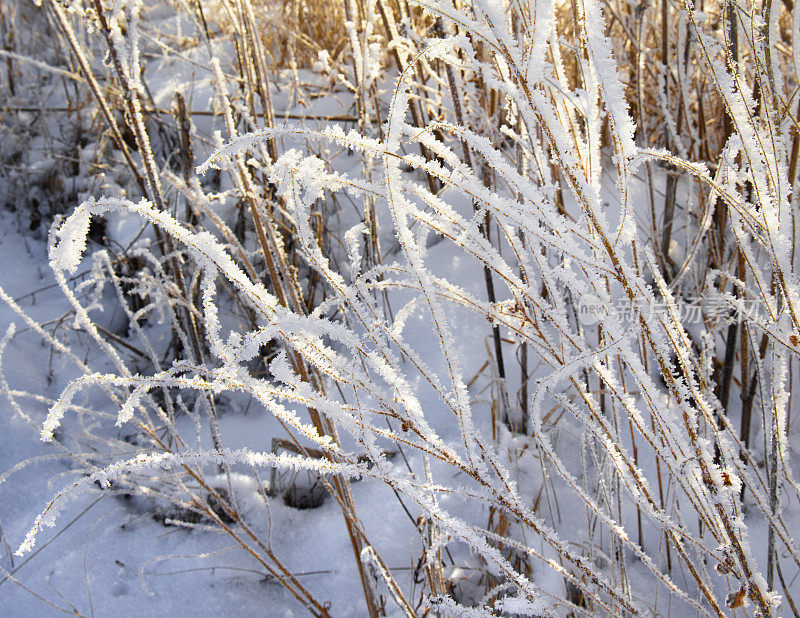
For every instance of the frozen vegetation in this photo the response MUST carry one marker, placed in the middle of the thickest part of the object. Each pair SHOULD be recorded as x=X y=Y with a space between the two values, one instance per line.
x=399 y=308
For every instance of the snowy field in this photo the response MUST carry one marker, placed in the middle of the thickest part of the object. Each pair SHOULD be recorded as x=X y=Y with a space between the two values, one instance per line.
x=429 y=308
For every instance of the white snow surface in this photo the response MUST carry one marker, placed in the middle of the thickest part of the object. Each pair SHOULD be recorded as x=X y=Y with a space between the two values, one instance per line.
x=108 y=556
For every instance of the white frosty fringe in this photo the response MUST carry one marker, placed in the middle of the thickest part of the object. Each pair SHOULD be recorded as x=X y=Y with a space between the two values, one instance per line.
x=549 y=262
x=152 y=463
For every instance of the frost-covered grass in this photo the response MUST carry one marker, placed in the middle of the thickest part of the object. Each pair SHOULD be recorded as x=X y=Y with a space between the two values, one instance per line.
x=501 y=299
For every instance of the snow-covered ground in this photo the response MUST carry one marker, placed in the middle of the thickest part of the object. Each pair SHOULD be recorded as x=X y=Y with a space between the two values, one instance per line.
x=104 y=558
x=108 y=555
x=112 y=553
